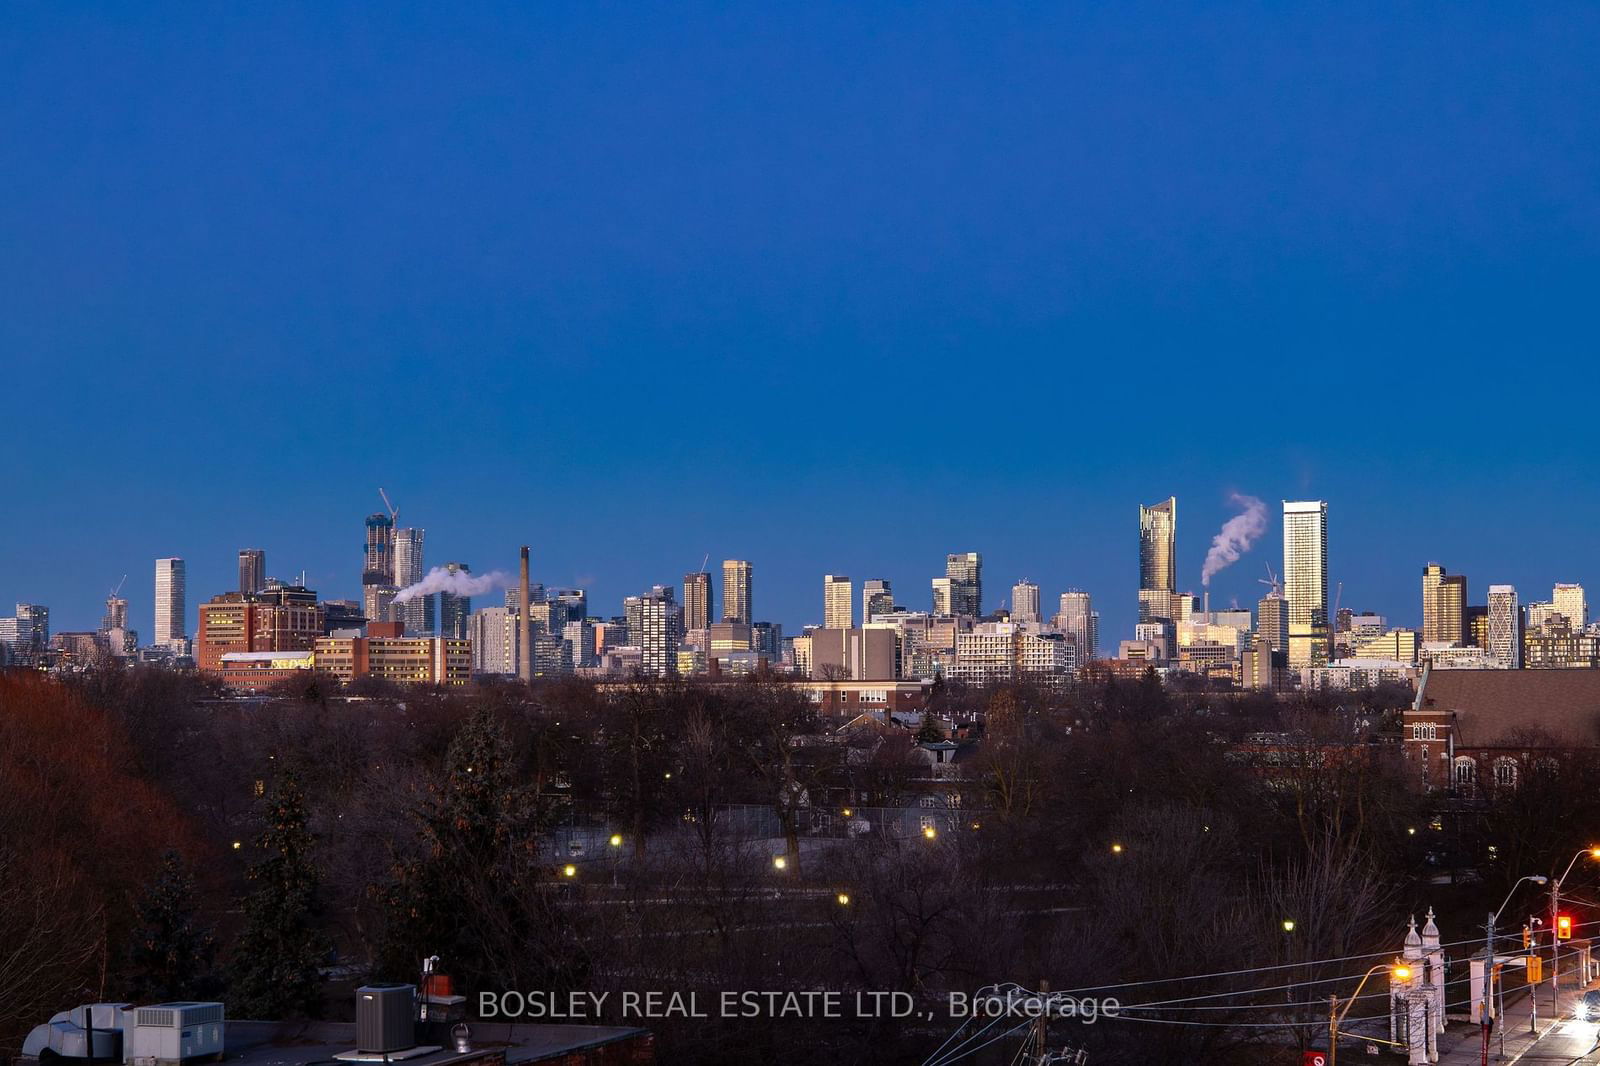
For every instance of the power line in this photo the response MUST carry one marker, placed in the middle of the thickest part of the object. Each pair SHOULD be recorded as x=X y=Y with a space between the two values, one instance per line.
x=1166 y=1003
x=1260 y=969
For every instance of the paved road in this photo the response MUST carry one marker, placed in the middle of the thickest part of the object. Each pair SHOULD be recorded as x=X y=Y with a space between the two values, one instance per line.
x=1570 y=1041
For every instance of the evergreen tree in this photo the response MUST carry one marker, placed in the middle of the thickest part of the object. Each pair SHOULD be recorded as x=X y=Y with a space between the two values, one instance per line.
x=465 y=895
x=276 y=957
x=171 y=954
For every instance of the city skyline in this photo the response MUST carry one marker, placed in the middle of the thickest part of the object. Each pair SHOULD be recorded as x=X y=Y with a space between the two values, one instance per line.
x=1239 y=585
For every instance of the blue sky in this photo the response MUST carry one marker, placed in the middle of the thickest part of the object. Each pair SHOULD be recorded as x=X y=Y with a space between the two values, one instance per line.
x=828 y=287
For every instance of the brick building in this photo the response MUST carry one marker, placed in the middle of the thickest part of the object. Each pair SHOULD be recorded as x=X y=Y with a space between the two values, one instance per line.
x=282 y=619
x=1471 y=731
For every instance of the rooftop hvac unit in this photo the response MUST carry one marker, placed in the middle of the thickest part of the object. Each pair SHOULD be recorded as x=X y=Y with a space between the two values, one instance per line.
x=385 y=1018
x=166 y=1033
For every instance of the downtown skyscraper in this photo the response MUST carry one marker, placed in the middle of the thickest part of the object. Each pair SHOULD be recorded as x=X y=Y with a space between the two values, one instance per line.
x=1504 y=644
x=377 y=568
x=1025 y=602
x=736 y=581
x=876 y=598
x=838 y=602
x=252 y=570
x=697 y=600
x=1444 y=606
x=965 y=572
x=1305 y=580
x=1158 y=555
x=455 y=611
x=1080 y=622
x=415 y=614
x=171 y=604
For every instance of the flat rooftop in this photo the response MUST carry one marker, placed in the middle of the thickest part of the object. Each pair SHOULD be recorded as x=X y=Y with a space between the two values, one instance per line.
x=302 y=1043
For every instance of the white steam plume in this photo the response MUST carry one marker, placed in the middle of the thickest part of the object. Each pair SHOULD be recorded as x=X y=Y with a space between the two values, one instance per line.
x=1235 y=536
x=455 y=582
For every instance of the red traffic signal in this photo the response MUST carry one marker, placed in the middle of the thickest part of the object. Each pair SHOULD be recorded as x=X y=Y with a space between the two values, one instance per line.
x=1564 y=926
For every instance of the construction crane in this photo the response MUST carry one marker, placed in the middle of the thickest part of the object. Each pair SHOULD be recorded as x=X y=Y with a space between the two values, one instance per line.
x=118 y=589
x=1272 y=581
x=394 y=512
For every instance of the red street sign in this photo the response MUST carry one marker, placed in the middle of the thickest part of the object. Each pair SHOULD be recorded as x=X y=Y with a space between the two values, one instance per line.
x=1315 y=1058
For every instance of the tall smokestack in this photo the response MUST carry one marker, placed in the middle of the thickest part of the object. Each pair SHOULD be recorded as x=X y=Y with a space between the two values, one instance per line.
x=524 y=631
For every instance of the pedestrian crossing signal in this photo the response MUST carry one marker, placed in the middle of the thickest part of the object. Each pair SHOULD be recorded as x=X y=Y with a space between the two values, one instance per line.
x=1564 y=926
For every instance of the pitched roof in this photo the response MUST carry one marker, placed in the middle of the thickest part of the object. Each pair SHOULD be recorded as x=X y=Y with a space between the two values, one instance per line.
x=1493 y=705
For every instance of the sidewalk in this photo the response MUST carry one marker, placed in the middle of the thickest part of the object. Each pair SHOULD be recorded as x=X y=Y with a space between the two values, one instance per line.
x=1557 y=1040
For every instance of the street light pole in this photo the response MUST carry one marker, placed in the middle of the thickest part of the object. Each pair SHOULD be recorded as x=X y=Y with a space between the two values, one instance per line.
x=1488 y=982
x=1399 y=970
x=1555 y=937
x=1488 y=960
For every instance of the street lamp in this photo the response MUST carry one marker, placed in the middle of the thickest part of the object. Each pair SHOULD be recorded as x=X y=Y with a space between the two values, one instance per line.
x=1397 y=970
x=843 y=898
x=616 y=856
x=779 y=862
x=929 y=832
x=1116 y=849
x=1555 y=943
x=1288 y=925
x=569 y=870
x=1488 y=958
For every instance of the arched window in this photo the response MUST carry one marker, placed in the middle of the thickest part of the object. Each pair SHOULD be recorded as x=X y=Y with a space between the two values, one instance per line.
x=1466 y=772
x=1424 y=731
x=1505 y=772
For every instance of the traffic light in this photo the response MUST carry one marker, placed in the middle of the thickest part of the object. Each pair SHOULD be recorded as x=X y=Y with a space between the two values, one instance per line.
x=1527 y=938
x=1564 y=926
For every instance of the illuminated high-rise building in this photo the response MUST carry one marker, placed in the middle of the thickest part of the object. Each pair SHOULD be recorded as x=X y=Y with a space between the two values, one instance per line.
x=1567 y=599
x=659 y=620
x=1272 y=622
x=965 y=571
x=944 y=598
x=1305 y=580
x=1025 y=602
x=1504 y=646
x=377 y=569
x=455 y=611
x=378 y=562
x=34 y=619
x=876 y=598
x=1444 y=606
x=252 y=570
x=697 y=600
x=171 y=604
x=736 y=598
x=496 y=637
x=1081 y=623
x=116 y=616
x=838 y=602
x=416 y=614
x=1158 y=559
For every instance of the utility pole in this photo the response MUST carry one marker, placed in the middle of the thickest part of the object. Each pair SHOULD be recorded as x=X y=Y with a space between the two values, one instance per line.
x=1530 y=943
x=1488 y=984
x=1041 y=1024
x=1333 y=1030
x=1555 y=951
